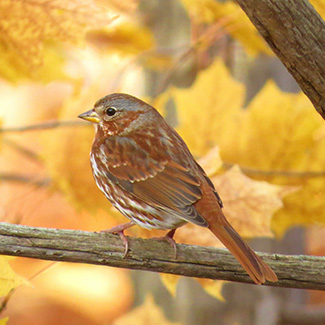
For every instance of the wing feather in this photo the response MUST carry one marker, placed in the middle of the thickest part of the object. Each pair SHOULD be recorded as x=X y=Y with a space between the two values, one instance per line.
x=163 y=183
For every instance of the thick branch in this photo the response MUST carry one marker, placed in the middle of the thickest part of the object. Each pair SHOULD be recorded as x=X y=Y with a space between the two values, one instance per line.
x=306 y=272
x=295 y=32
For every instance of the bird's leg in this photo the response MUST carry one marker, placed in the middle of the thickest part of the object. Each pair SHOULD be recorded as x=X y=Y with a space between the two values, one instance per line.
x=169 y=237
x=119 y=230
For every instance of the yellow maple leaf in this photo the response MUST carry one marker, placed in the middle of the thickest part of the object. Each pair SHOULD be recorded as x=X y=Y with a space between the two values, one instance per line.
x=207 y=110
x=66 y=156
x=170 y=281
x=211 y=162
x=147 y=313
x=28 y=26
x=124 y=38
x=232 y=19
x=248 y=204
x=8 y=278
x=212 y=287
x=272 y=129
x=279 y=136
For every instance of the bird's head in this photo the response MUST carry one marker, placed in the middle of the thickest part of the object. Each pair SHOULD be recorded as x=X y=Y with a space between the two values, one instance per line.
x=117 y=114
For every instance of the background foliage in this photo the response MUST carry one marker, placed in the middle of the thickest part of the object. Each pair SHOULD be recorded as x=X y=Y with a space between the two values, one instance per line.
x=259 y=139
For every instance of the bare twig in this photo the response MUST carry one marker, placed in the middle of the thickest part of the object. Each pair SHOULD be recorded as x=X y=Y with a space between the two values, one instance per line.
x=43 y=126
x=276 y=173
x=47 y=125
x=21 y=149
x=9 y=177
x=306 y=272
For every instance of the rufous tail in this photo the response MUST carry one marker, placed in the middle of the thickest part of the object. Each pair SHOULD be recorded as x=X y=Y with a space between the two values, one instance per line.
x=258 y=270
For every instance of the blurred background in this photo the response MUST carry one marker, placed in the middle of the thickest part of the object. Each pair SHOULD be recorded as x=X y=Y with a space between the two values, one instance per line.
x=203 y=65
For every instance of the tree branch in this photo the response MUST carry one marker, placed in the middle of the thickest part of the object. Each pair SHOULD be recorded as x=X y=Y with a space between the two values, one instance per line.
x=295 y=32
x=306 y=272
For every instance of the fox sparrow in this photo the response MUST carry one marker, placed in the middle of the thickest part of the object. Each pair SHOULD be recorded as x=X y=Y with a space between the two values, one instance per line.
x=146 y=171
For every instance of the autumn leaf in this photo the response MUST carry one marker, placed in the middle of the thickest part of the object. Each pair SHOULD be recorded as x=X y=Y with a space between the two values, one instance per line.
x=211 y=162
x=248 y=204
x=208 y=109
x=8 y=278
x=126 y=38
x=147 y=313
x=3 y=321
x=230 y=16
x=170 y=281
x=65 y=155
x=280 y=136
x=211 y=287
x=28 y=27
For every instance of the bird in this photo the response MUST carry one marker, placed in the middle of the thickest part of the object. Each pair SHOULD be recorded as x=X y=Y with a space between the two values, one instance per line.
x=145 y=169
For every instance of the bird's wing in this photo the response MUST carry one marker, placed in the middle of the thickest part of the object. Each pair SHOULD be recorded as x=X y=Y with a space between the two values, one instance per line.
x=155 y=179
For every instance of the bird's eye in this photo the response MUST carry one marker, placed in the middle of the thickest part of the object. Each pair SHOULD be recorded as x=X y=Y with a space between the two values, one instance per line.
x=110 y=111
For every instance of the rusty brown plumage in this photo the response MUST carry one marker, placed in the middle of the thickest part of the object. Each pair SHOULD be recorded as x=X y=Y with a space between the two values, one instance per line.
x=147 y=172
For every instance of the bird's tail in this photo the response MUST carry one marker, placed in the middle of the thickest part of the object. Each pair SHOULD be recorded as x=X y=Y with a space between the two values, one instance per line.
x=258 y=270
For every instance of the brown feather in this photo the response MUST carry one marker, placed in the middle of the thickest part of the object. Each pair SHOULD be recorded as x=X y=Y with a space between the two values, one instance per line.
x=258 y=270
x=209 y=208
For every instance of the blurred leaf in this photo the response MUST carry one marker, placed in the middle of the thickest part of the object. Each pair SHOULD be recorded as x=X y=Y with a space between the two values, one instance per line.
x=248 y=204
x=78 y=286
x=27 y=26
x=147 y=313
x=3 y=321
x=282 y=132
x=66 y=156
x=120 y=6
x=125 y=38
x=230 y=16
x=211 y=162
x=8 y=278
x=212 y=287
x=129 y=38
x=170 y=281
x=210 y=106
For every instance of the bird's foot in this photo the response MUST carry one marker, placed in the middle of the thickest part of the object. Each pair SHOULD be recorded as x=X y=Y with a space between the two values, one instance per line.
x=119 y=230
x=169 y=238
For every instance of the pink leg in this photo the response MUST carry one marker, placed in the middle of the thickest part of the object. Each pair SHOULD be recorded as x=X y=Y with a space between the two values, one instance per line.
x=120 y=231
x=169 y=238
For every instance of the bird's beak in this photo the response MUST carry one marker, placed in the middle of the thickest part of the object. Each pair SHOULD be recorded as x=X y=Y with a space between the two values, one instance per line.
x=90 y=116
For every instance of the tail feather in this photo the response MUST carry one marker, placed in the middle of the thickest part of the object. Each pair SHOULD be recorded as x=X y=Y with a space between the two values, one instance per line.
x=258 y=270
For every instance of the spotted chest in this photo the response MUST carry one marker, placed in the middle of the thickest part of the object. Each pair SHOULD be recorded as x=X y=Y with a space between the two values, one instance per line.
x=138 y=211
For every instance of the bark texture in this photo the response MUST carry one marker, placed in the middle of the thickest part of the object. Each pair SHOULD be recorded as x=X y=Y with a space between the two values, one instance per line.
x=296 y=33
x=297 y=271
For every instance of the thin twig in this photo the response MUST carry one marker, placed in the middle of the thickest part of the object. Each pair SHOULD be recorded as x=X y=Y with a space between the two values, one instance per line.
x=274 y=173
x=5 y=300
x=43 y=126
x=9 y=177
x=250 y=171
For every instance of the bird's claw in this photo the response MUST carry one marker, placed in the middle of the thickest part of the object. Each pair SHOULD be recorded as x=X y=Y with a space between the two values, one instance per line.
x=119 y=230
